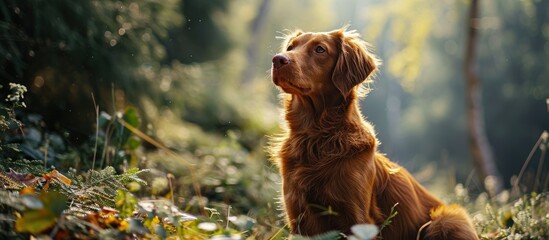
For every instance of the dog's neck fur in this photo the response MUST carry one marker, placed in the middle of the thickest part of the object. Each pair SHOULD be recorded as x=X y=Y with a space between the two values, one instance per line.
x=318 y=112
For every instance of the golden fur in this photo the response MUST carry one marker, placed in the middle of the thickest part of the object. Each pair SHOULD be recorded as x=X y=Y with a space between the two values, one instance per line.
x=333 y=176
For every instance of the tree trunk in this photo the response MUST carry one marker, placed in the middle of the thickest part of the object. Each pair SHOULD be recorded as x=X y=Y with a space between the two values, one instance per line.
x=481 y=150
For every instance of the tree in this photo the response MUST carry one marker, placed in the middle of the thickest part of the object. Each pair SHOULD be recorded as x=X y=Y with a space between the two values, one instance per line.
x=481 y=150
x=64 y=51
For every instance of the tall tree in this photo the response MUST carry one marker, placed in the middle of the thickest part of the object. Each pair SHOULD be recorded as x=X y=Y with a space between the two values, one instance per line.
x=481 y=150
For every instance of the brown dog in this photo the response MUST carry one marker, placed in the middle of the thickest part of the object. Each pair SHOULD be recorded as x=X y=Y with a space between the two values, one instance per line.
x=333 y=176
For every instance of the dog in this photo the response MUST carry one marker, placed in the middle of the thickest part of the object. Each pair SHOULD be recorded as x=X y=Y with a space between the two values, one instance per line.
x=333 y=177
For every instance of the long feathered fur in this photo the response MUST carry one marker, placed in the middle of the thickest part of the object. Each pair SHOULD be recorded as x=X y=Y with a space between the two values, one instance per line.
x=333 y=176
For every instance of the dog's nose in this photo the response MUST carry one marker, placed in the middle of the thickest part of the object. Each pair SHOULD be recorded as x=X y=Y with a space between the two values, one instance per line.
x=280 y=60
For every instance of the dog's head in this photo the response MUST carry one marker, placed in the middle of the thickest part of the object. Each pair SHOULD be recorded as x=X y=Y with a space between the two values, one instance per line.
x=322 y=63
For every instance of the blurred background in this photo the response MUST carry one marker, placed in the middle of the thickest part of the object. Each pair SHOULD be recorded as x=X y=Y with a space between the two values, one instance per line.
x=198 y=75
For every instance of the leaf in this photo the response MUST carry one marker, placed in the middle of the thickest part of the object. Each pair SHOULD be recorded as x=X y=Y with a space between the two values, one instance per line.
x=54 y=174
x=207 y=226
x=165 y=208
x=32 y=202
x=136 y=226
x=38 y=220
x=132 y=117
x=243 y=222
x=365 y=231
x=9 y=183
x=35 y=221
x=54 y=201
x=160 y=231
x=133 y=143
x=126 y=203
x=323 y=236
x=26 y=179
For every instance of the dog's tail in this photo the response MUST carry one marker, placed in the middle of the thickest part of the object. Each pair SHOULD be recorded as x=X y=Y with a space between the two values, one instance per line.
x=449 y=222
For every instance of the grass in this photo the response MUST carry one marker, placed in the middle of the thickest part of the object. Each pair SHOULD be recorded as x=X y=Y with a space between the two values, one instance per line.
x=194 y=185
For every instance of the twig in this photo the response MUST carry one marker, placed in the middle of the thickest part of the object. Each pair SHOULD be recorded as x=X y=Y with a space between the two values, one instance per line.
x=516 y=183
x=96 y=130
x=228 y=216
x=46 y=151
x=543 y=149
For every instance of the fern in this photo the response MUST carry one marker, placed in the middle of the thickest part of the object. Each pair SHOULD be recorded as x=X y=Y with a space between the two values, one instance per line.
x=10 y=200
x=99 y=188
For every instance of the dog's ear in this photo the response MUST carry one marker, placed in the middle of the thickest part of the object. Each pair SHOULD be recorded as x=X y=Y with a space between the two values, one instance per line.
x=354 y=64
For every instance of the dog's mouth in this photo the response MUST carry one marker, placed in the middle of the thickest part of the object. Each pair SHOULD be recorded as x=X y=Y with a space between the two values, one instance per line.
x=281 y=79
x=293 y=88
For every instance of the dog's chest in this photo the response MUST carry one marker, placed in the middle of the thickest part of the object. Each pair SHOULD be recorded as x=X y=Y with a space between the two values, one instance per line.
x=310 y=163
x=305 y=149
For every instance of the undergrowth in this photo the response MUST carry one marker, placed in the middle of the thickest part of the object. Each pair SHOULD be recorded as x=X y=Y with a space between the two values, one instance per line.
x=208 y=188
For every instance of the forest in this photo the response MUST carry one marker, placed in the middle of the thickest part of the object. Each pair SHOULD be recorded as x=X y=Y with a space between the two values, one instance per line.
x=148 y=119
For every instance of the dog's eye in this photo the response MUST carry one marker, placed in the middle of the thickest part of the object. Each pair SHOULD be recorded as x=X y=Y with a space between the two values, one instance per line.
x=289 y=48
x=320 y=49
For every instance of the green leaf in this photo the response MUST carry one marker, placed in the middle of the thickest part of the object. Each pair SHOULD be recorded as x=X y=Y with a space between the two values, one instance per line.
x=160 y=231
x=136 y=226
x=133 y=143
x=55 y=202
x=37 y=220
x=132 y=117
x=331 y=235
x=125 y=203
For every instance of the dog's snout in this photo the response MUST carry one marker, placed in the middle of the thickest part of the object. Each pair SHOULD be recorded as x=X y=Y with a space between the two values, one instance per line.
x=280 y=60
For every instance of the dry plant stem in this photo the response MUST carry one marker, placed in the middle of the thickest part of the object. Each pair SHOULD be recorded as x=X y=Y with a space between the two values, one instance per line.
x=46 y=151
x=538 y=173
x=279 y=231
x=96 y=130
x=546 y=182
x=171 y=179
x=228 y=216
x=104 y=155
x=530 y=155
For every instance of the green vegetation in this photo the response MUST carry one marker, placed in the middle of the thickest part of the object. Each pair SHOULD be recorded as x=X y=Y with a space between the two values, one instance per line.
x=226 y=197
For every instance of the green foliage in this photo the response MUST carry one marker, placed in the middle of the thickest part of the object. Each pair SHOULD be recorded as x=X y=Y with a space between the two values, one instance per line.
x=201 y=37
x=68 y=204
x=210 y=124
x=14 y=100
x=331 y=235
x=125 y=203
x=118 y=143
x=16 y=96
x=92 y=33
x=524 y=218
x=97 y=203
x=42 y=212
